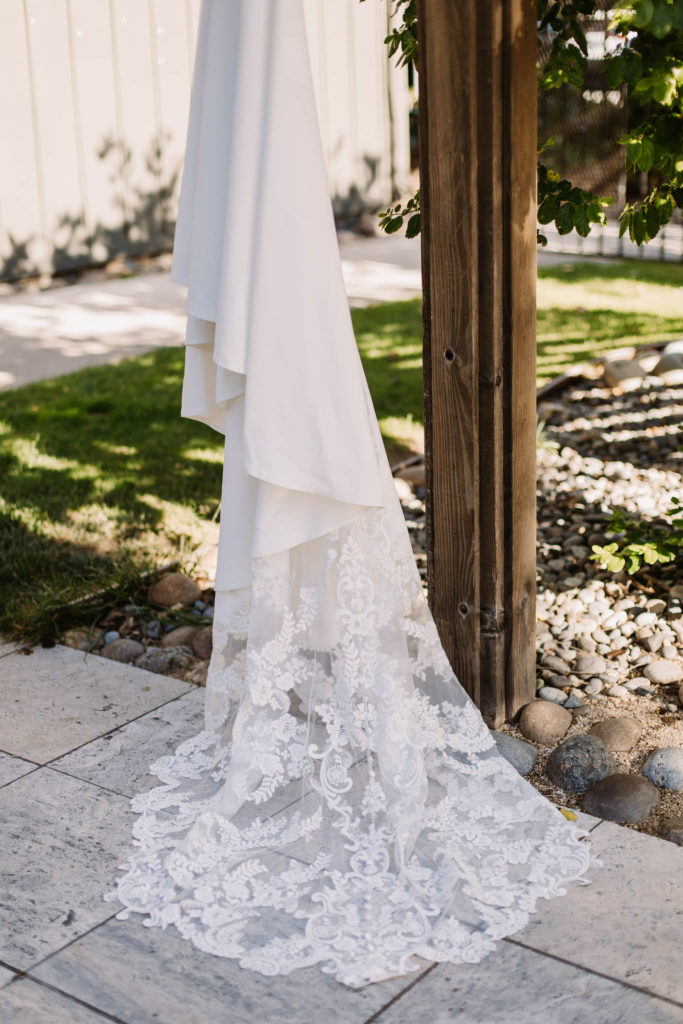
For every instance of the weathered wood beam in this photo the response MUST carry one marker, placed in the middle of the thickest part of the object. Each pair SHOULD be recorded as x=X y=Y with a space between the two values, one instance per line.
x=478 y=182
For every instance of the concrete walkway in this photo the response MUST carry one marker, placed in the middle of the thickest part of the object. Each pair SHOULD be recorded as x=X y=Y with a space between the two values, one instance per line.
x=77 y=735
x=44 y=334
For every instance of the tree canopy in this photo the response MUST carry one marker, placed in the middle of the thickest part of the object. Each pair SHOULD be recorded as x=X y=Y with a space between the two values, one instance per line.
x=647 y=61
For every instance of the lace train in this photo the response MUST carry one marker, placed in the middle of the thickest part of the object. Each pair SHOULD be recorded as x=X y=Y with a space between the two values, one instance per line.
x=345 y=803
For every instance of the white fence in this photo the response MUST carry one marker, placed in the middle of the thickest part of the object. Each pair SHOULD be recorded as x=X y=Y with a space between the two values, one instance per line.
x=95 y=99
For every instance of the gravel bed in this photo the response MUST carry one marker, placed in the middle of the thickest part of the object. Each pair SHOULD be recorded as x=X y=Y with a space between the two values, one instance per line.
x=608 y=645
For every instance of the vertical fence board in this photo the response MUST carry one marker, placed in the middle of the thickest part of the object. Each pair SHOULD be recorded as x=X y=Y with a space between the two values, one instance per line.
x=135 y=71
x=371 y=142
x=50 y=64
x=93 y=65
x=23 y=241
x=174 y=79
x=97 y=133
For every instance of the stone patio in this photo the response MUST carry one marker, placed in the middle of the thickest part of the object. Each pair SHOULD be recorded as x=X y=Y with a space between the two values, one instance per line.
x=77 y=734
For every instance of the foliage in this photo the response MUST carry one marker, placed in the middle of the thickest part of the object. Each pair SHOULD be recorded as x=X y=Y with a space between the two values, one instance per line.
x=642 y=543
x=569 y=207
x=648 y=65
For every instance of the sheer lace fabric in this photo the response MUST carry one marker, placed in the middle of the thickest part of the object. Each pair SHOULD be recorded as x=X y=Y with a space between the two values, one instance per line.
x=345 y=804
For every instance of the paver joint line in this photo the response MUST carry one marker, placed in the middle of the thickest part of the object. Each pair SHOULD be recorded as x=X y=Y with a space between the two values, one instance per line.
x=80 y=1002
x=590 y=970
x=399 y=995
x=57 y=952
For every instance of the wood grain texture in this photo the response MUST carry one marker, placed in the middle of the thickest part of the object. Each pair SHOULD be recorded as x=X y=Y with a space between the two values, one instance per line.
x=448 y=181
x=478 y=180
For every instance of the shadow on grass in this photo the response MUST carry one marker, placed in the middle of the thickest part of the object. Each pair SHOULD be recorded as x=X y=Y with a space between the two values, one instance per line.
x=101 y=477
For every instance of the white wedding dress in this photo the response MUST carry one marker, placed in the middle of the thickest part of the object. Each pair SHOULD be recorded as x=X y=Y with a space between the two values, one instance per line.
x=345 y=804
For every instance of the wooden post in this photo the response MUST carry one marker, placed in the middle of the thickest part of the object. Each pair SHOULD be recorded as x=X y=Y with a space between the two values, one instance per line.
x=478 y=181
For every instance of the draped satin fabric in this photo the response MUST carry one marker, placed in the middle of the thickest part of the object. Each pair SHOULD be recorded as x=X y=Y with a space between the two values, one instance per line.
x=345 y=804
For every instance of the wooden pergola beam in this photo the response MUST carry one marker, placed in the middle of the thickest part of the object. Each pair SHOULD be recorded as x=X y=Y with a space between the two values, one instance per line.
x=478 y=182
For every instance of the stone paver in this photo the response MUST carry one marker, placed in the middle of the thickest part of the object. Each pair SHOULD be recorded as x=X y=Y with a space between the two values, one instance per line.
x=608 y=951
x=6 y=976
x=146 y=975
x=60 y=843
x=121 y=759
x=26 y=1002
x=57 y=699
x=628 y=923
x=12 y=768
x=515 y=985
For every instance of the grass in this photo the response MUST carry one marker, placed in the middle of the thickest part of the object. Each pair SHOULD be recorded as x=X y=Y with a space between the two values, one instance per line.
x=101 y=478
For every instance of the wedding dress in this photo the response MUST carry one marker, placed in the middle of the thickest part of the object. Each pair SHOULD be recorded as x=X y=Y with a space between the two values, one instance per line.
x=345 y=804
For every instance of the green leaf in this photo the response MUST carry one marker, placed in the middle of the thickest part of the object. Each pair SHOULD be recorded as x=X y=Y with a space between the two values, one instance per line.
x=633 y=148
x=414 y=226
x=652 y=220
x=639 y=227
x=615 y=563
x=393 y=225
x=662 y=19
x=623 y=224
x=548 y=209
x=581 y=222
x=644 y=11
x=677 y=21
x=564 y=221
x=632 y=64
x=646 y=157
x=615 y=71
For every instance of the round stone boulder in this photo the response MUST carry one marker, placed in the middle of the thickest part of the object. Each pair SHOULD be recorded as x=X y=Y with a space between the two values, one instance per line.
x=664 y=767
x=621 y=797
x=519 y=753
x=579 y=762
x=663 y=672
x=617 y=733
x=202 y=643
x=164 y=661
x=123 y=650
x=182 y=636
x=543 y=722
x=174 y=589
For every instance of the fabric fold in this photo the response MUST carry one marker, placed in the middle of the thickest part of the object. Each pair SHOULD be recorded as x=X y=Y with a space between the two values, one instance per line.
x=345 y=804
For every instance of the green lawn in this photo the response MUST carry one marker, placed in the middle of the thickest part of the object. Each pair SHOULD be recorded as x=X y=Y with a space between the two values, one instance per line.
x=102 y=478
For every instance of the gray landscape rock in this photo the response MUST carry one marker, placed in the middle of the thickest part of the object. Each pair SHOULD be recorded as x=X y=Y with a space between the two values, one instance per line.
x=123 y=650
x=164 y=660
x=574 y=700
x=672 y=829
x=664 y=767
x=543 y=722
x=521 y=755
x=663 y=672
x=623 y=373
x=621 y=797
x=579 y=762
x=670 y=368
x=593 y=687
x=590 y=665
x=617 y=733
x=174 y=589
x=555 y=664
x=553 y=694
x=198 y=673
